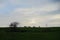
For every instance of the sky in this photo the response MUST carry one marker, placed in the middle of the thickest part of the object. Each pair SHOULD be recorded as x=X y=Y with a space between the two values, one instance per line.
x=30 y=12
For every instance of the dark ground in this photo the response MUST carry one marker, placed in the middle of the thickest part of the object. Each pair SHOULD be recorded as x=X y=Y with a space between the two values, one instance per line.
x=30 y=34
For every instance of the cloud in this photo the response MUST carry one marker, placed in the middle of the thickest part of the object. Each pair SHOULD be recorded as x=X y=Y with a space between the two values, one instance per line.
x=33 y=16
x=29 y=3
x=2 y=5
x=30 y=12
x=55 y=0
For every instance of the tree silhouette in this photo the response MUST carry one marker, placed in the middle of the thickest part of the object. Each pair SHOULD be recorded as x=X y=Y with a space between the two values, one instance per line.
x=13 y=26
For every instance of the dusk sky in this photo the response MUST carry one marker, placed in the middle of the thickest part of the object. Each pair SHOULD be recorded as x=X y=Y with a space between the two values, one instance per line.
x=30 y=12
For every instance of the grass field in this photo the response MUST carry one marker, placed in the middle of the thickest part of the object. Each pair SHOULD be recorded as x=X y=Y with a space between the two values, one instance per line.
x=31 y=34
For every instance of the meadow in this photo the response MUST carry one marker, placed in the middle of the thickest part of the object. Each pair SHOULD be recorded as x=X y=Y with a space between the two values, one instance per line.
x=29 y=33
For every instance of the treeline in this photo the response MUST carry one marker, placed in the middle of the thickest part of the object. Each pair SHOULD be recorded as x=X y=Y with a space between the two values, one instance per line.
x=32 y=29
x=13 y=28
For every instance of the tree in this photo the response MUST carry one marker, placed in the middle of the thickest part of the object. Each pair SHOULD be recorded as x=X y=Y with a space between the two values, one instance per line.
x=13 y=26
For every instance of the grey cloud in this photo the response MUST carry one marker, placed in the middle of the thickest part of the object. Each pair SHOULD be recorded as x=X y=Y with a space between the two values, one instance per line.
x=56 y=0
x=53 y=12
x=32 y=16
